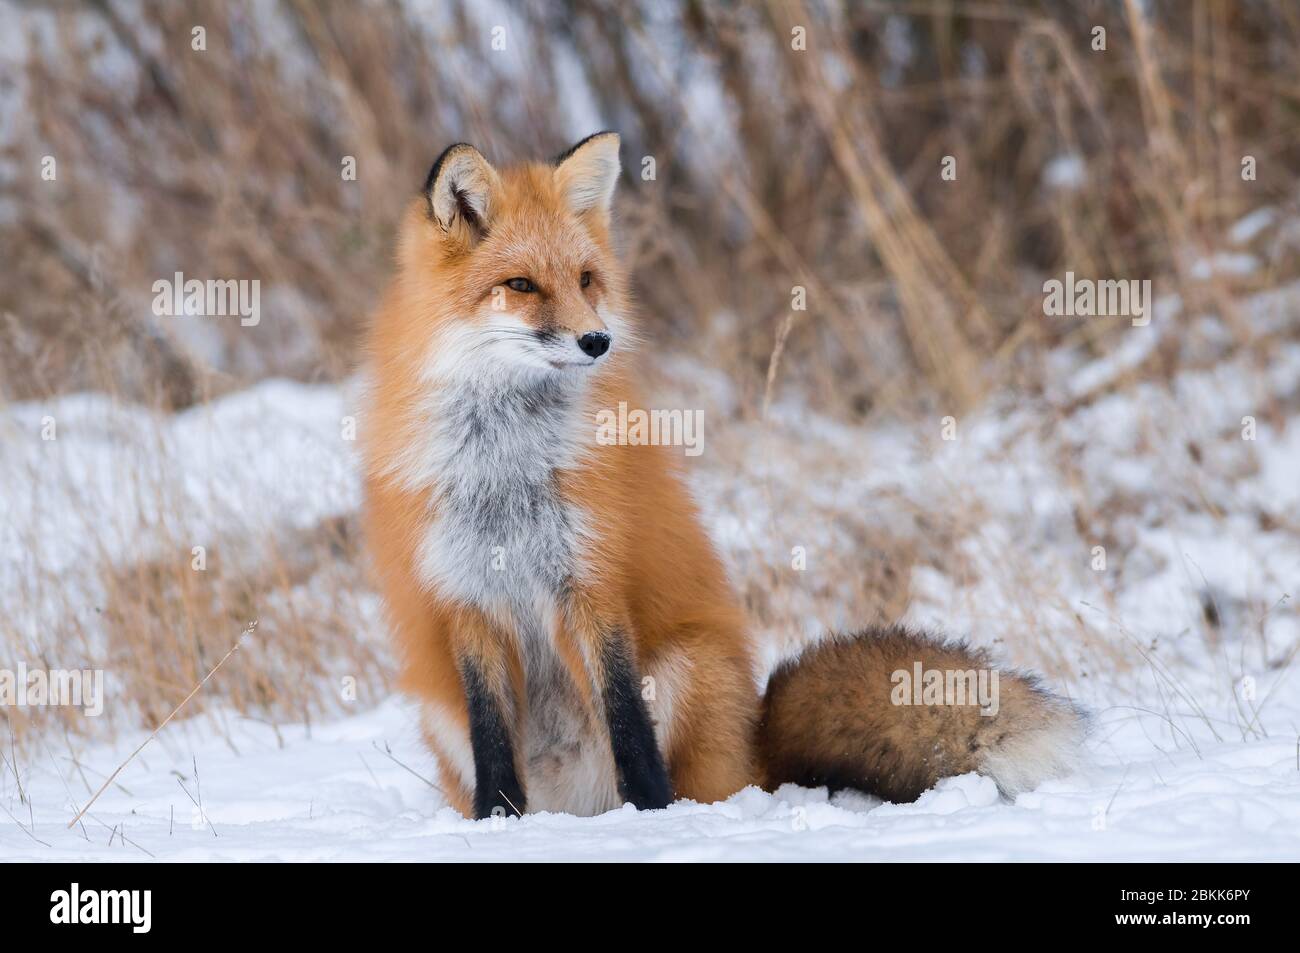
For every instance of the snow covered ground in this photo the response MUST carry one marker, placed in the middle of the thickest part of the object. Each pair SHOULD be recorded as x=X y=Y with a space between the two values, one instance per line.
x=339 y=794
x=1182 y=642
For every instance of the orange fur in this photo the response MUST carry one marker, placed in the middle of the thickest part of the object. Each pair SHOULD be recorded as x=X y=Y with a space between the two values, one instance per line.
x=653 y=569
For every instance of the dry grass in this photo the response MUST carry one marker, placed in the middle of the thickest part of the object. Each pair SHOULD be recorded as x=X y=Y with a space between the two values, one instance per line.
x=167 y=625
x=822 y=170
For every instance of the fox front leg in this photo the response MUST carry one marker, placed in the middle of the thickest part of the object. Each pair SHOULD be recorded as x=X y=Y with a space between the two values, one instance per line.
x=496 y=783
x=642 y=776
x=484 y=676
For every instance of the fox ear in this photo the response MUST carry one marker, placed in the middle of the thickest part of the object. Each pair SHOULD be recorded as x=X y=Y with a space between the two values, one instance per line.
x=588 y=172
x=460 y=190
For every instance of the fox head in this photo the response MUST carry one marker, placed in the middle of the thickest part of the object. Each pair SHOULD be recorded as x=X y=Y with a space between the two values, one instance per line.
x=512 y=270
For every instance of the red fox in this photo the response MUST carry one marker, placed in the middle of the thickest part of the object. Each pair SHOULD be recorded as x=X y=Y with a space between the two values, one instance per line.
x=561 y=615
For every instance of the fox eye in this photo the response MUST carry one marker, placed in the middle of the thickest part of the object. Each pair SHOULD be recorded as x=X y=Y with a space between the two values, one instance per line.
x=585 y=279
x=522 y=285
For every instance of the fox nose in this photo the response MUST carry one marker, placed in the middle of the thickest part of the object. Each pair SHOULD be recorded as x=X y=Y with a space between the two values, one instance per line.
x=594 y=343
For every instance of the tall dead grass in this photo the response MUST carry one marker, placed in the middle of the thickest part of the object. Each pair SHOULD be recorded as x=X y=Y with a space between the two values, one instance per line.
x=773 y=167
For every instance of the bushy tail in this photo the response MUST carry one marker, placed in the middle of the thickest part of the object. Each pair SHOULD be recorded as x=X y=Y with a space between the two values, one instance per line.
x=891 y=711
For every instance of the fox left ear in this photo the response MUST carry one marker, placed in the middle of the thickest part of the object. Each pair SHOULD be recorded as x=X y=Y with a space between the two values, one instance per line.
x=588 y=172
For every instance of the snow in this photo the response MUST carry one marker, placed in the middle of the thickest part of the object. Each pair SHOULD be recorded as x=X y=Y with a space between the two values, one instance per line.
x=254 y=462
x=1194 y=751
x=1245 y=229
x=1068 y=172
x=336 y=794
x=1223 y=263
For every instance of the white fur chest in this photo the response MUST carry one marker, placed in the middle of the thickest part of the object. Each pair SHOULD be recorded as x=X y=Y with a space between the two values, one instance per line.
x=502 y=537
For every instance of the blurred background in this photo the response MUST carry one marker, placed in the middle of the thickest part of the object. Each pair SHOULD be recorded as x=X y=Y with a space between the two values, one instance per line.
x=767 y=147
x=773 y=167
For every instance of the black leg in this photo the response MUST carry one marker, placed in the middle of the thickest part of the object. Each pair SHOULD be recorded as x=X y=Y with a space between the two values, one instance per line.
x=642 y=778
x=496 y=785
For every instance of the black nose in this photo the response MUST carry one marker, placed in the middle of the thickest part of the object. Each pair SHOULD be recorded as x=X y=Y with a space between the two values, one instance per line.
x=594 y=343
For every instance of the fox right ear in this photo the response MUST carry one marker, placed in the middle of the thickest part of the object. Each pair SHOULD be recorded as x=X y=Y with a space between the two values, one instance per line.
x=460 y=191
